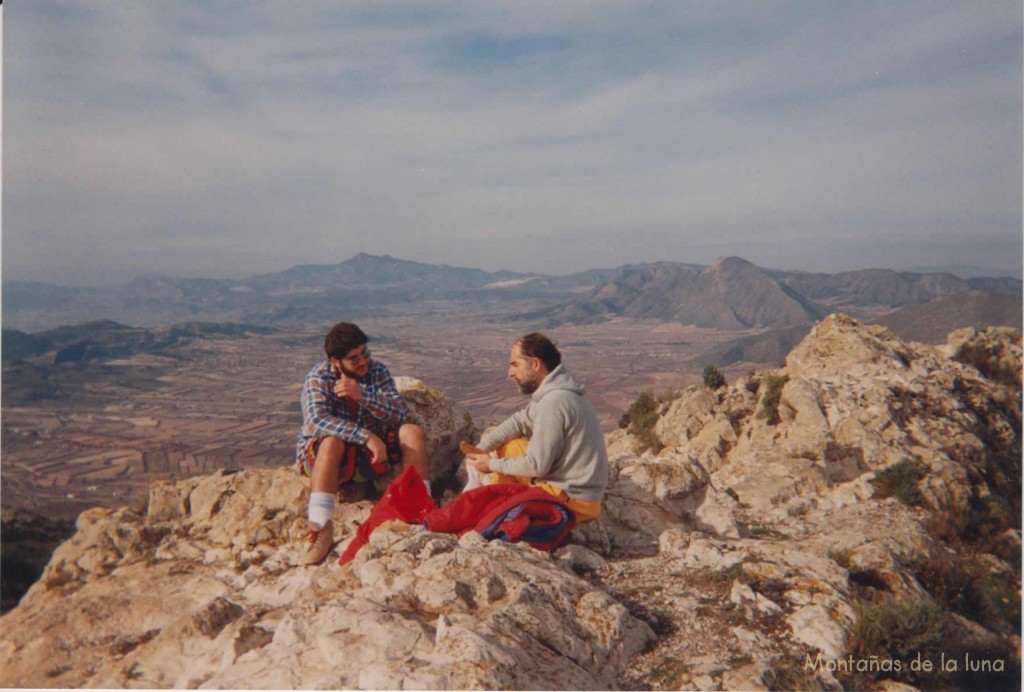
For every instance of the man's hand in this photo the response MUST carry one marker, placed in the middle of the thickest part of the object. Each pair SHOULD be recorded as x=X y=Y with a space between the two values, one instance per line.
x=348 y=387
x=481 y=462
x=378 y=451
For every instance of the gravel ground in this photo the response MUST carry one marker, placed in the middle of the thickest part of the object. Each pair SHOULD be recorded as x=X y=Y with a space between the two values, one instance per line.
x=705 y=641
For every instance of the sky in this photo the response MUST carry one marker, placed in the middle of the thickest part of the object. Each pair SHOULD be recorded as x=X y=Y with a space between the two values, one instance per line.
x=234 y=138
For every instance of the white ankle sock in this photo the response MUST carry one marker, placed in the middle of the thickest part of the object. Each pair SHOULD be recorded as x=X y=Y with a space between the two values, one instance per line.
x=321 y=508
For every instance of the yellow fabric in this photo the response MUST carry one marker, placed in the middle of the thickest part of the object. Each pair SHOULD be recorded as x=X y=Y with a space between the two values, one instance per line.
x=513 y=448
x=585 y=510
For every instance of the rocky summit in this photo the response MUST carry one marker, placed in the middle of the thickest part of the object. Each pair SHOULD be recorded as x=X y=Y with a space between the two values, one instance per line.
x=836 y=523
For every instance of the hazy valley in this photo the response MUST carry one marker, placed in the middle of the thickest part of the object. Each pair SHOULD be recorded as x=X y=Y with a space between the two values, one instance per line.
x=80 y=434
x=95 y=411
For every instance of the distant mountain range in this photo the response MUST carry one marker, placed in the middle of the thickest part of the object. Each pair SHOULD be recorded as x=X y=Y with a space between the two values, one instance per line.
x=105 y=339
x=930 y=322
x=731 y=294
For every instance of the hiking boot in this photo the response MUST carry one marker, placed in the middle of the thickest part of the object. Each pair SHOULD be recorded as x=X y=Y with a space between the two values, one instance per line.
x=319 y=543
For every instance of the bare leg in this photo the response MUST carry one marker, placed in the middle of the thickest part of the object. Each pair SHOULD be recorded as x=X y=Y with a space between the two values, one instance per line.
x=414 y=448
x=327 y=466
x=323 y=487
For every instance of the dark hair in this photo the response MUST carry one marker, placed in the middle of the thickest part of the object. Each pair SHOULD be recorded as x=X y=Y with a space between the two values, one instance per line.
x=342 y=338
x=536 y=345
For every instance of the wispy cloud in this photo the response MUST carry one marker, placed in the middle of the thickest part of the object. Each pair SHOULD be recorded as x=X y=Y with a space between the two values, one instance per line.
x=225 y=139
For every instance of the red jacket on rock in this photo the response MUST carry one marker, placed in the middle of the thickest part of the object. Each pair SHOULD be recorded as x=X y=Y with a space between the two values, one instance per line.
x=509 y=511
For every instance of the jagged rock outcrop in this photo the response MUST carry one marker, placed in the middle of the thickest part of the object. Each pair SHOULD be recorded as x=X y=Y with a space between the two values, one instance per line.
x=867 y=475
x=781 y=477
x=206 y=591
x=851 y=400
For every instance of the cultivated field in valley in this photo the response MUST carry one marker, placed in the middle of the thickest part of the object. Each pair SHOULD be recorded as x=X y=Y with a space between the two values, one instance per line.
x=233 y=403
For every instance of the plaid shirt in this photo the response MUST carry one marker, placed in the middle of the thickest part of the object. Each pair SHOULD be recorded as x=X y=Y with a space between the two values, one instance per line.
x=326 y=414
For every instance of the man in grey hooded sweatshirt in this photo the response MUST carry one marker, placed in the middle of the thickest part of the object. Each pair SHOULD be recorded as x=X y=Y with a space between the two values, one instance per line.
x=565 y=452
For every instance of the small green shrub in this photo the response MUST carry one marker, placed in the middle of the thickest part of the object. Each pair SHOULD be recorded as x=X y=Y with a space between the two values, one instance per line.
x=752 y=382
x=785 y=675
x=769 y=410
x=980 y=527
x=998 y=596
x=900 y=481
x=909 y=630
x=963 y=585
x=639 y=420
x=713 y=377
x=943 y=577
x=641 y=413
x=894 y=631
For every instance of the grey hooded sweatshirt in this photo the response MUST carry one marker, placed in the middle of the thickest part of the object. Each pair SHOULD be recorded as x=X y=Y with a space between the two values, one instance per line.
x=566 y=446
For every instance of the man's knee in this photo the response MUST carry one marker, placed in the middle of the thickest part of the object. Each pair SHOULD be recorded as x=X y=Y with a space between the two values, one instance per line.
x=411 y=435
x=331 y=451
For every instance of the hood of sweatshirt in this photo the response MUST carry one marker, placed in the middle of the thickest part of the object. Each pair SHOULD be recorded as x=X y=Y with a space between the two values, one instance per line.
x=559 y=378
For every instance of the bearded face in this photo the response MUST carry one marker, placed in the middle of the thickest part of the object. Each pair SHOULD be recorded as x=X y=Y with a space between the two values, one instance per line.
x=524 y=371
x=355 y=364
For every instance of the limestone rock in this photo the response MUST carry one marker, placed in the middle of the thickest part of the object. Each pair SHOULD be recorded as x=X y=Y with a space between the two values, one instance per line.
x=686 y=416
x=214 y=597
x=579 y=559
x=995 y=352
x=856 y=401
x=632 y=514
x=716 y=514
x=444 y=422
x=795 y=505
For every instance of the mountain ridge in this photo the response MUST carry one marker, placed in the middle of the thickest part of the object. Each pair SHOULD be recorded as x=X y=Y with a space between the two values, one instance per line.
x=732 y=293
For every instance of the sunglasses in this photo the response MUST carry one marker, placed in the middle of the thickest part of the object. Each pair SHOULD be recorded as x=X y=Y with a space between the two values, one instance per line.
x=357 y=358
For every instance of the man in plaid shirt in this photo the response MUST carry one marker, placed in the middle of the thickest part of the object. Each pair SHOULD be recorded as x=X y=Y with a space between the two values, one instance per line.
x=353 y=427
